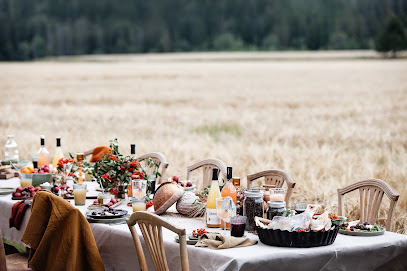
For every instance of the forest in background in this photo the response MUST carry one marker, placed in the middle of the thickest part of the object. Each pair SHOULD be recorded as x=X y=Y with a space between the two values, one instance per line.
x=31 y=29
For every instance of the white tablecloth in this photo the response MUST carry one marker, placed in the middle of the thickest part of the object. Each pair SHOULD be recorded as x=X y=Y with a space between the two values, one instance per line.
x=118 y=253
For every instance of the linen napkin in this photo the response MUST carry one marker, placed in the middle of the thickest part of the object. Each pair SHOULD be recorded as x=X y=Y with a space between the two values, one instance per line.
x=98 y=152
x=17 y=214
x=218 y=241
x=59 y=236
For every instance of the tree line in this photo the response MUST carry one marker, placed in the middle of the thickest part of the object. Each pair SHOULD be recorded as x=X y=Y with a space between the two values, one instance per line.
x=31 y=29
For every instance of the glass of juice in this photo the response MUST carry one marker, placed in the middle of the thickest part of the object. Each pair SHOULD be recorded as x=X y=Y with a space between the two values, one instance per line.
x=79 y=193
x=139 y=188
x=277 y=194
x=224 y=208
x=26 y=180
x=139 y=204
x=237 y=225
x=300 y=206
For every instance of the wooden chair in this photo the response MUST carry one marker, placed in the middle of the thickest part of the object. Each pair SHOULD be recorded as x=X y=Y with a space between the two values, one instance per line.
x=371 y=193
x=274 y=177
x=207 y=166
x=151 y=228
x=16 y=261
x=160 y=159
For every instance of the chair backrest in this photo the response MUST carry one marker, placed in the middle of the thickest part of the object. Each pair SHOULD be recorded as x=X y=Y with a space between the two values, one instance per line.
x=151 y=227
x=207 y=166
x=160 y=159
x=3 y=266
x=371 y=193
x=275 y=177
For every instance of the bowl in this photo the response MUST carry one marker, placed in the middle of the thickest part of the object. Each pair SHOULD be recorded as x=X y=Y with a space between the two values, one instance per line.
x=41 y=178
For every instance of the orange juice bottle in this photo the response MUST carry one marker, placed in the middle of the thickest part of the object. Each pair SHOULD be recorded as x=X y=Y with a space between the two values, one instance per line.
x=229 y=190
x=43 y=154
x=212 y=219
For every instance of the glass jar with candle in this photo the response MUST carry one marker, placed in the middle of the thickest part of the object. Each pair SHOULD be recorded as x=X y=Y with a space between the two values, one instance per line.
x=275 y=208
x=252 y=207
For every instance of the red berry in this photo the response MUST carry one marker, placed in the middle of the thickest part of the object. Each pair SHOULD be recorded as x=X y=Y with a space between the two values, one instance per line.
x=17 y=194
x=175 y=178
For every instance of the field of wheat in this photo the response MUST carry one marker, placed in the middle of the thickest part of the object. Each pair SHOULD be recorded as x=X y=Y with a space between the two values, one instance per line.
x=329 y=119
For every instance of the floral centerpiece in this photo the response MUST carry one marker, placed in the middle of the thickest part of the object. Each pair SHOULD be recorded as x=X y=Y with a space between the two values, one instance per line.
x=115 y=171
x=64 y=168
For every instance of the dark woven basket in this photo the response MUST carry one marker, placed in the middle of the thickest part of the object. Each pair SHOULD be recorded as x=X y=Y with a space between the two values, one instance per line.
x=297 y=239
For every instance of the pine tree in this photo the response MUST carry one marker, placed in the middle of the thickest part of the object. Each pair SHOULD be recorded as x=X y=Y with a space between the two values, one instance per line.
x=392 y=37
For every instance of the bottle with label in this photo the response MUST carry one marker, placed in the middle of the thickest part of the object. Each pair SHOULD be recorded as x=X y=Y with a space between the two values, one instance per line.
x=212 y=219
x=229 y=190
x=42 y=154
x=10 y=150
x=58 y=153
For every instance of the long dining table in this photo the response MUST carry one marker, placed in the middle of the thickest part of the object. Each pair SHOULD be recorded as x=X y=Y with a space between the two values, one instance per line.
x=116 y=247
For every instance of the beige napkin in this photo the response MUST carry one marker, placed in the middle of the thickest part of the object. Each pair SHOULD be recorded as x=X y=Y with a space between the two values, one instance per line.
x=217 y=241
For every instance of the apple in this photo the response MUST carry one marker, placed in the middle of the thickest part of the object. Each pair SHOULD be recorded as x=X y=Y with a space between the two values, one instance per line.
x=17 y=194
x=20 y=189
x=175 y=178
x=113 y=201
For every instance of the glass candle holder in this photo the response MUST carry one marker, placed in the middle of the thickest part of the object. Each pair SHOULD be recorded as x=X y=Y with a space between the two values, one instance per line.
x=79 y=192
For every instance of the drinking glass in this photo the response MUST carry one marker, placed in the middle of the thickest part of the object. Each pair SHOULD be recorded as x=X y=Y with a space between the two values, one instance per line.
x=138 y=204
x=79 y=193
x=237 y=225
x=300 y=206
x=139 y=187
x=224 y=209
x=277 y=194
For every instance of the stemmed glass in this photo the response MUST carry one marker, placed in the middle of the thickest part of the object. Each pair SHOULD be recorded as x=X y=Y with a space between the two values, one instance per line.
x=224 y=209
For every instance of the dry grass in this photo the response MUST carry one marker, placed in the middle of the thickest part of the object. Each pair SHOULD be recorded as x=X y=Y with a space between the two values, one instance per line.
x=327 y=121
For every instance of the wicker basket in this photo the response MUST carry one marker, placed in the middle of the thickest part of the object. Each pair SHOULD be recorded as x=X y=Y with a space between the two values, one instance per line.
x=297 y=239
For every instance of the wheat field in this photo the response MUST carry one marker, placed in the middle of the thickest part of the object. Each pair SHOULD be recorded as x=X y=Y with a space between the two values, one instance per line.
x=329 y=119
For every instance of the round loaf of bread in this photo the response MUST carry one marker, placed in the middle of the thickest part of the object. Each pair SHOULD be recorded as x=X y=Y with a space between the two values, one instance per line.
x=166 y=195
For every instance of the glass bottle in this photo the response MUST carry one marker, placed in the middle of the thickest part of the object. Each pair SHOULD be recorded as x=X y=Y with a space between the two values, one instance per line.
x=132 y=154
x=10 y=149
x=133 y=150
x=58 y=153
x=212 y=219
x=229 y=190
x=43 y=154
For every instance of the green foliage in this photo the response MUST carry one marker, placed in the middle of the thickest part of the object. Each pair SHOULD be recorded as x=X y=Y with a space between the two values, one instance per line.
x=34 y=29
x=392 y=37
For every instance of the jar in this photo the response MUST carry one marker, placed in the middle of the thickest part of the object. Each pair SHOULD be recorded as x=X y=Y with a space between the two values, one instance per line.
x=103 y=198
x=252 y=207
x=275 y=208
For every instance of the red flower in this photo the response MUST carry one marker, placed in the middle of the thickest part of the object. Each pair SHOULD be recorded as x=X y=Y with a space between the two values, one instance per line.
x=106 y=176
x=134 y=164
x=122 y=167
x=71 y=174
x=112 y=191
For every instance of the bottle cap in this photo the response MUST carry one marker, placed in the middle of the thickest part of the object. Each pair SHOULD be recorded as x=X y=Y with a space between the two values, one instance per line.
x=229 y=173
x=35 y=164
x=133 y=149
x=42 y=137
x=215 y=174
x=58 y=142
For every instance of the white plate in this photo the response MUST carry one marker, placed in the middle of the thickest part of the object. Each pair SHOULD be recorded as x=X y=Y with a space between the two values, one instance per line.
x=6 y=190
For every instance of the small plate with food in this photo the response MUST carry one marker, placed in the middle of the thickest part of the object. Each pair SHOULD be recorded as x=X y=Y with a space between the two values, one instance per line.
x=365 y=229
x=106 y=213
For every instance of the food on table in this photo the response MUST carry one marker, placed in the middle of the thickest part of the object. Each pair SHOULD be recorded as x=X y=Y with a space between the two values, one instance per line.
x=26 y=192
x=364 y=227
x=27 y=170
x=176 y=180
x=212 y=219
x=107 y=212
x=166 y=195
x=198 y=232
x=41 y=170
x=108 y=204
x=185 y=205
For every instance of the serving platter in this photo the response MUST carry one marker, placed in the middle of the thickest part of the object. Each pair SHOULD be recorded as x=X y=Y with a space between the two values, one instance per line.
x=120 y=213
x=381 y=231
x=119 y=220
x=190 y=239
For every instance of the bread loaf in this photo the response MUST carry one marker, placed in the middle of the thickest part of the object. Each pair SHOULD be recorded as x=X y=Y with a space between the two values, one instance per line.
x=166 y=195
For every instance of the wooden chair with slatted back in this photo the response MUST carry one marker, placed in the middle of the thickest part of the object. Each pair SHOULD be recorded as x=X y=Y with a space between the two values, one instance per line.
x=160 y=159
x=371 y=193
x=207 y=166
x=151 y=227
x=275 y=177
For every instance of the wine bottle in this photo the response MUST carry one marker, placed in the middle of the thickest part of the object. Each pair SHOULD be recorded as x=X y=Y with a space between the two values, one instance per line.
x=58 y=153
x=212 y=219
x=229 y=190
x=133 y=150
x=43 y=154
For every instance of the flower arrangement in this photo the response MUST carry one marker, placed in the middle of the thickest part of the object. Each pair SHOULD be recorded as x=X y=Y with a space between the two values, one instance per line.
x=114 y=169
x=64 y=168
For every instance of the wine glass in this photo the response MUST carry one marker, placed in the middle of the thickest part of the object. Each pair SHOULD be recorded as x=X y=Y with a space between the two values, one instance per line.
x=224 y=209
